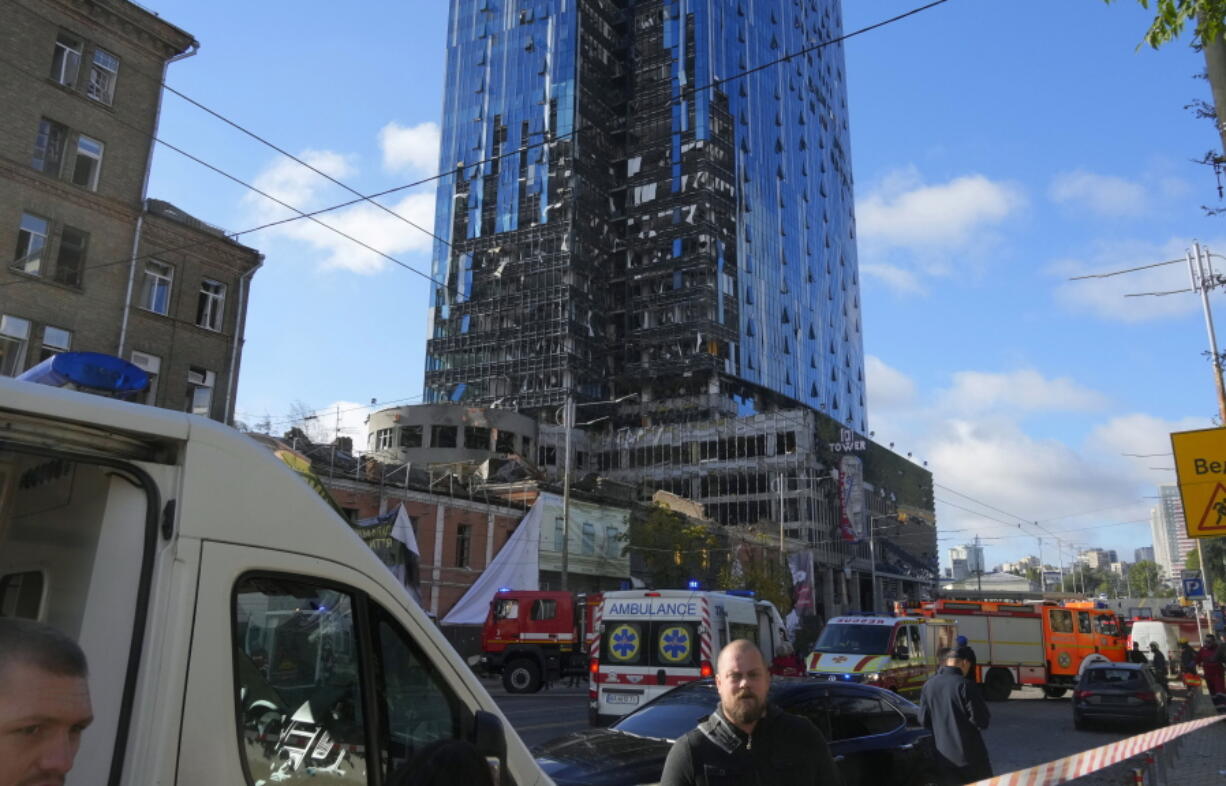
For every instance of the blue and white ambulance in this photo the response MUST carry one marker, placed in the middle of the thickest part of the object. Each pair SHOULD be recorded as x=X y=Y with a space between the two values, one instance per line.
x=650 y=641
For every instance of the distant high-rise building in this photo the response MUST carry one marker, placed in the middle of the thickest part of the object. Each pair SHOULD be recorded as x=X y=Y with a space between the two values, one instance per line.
x=969 y=558
x=1144 y=554
x=1171 y=541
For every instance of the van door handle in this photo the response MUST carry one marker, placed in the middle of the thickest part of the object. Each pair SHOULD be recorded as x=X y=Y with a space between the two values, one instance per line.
x=660 y=677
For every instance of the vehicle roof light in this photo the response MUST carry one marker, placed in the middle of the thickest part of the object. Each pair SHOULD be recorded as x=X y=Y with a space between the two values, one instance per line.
x=90 y=371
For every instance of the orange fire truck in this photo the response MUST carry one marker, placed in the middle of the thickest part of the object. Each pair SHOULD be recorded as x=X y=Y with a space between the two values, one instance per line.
x=531 y=636
x=1037 y=643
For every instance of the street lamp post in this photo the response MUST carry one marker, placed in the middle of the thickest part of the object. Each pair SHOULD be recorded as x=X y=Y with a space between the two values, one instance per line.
x=568 y=423
x=872 y=549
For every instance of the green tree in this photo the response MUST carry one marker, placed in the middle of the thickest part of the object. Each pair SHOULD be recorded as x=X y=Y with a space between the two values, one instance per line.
x=673 y=549
x=765 y=576
x=1144 y=579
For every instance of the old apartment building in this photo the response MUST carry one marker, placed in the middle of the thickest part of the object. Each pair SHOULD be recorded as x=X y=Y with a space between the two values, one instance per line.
x=92 y=264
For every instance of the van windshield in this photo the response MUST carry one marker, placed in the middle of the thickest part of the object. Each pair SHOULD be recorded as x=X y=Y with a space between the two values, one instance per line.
x=854 y=639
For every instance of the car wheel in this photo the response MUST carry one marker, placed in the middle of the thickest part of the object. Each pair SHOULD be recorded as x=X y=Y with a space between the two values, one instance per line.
x=521 y=676
x=1164 y=719
x=1051 y=692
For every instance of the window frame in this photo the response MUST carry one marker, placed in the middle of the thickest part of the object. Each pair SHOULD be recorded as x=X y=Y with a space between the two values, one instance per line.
x=21 y=342
x=95 y=170
x=81 y=248
x=102 y=90
x=147 y=302
x=207 y=381
x=151 y=365
x=55 y=135
x=23 y=230
x=74 y=45
x=211 y=306
x=55 y=349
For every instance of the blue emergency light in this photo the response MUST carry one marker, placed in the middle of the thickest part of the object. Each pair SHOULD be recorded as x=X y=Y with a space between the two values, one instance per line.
x=89 y=371
x=693 y=584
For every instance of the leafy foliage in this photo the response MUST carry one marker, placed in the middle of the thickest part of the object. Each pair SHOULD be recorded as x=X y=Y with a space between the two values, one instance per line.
x=766 y=577
x=672 y=548
x=1171 y=16
x=1145 y=580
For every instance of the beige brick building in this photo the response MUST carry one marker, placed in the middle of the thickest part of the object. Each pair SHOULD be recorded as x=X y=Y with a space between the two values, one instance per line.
x=91 y=264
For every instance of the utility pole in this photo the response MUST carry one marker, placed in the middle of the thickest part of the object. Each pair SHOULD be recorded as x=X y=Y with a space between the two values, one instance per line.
x=783 y=558
x=568 y=420
x=1042 y=576
x=1060 y=559
x=1200 y=271
x=978 y=564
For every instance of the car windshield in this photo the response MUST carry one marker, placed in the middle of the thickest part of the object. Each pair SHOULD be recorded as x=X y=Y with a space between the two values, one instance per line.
x=854 y=639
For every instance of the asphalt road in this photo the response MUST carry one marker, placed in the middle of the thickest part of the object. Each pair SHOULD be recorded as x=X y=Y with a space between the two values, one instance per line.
x=1026 y=730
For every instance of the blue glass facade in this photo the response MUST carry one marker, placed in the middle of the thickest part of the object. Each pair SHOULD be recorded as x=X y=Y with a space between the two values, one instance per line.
x=649 y=237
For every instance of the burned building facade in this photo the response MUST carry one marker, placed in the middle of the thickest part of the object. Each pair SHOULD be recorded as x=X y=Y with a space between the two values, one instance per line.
x=631 y=207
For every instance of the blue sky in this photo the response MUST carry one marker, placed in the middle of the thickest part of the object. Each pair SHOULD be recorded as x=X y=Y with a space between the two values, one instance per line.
x=999 y=148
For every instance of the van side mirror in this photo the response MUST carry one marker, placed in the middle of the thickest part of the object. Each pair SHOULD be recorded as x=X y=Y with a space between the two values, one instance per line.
x=490 y=740
x=901 y=652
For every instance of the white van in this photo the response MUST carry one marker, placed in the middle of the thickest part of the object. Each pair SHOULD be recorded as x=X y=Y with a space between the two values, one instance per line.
x=1165 y=633
x=895 y=653
x=237 y=630
x=650 y=641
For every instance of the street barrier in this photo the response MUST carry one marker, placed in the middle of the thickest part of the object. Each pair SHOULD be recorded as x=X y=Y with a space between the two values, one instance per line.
x=1086 y=762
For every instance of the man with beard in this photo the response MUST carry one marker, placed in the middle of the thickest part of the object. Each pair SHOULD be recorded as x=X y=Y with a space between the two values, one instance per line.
x=747 y=741
x=952 y=707
x=44 y=703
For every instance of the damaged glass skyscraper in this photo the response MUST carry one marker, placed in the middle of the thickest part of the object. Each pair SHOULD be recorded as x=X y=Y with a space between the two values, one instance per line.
x=648 y=210
x=636 y=209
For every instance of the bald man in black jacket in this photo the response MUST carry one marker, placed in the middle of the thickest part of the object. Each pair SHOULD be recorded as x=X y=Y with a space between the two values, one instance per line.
x=747 y=742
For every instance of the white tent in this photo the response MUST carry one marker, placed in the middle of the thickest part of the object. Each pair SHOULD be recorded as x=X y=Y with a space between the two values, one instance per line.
x=518 y=565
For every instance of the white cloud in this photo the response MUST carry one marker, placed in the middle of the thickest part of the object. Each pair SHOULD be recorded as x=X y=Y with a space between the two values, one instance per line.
x=902 y=211
x=1105 y=195
x=410 y=148
x=1107 y=298
x=899 y=279
x=372 y=225
x=888 y=388
x=1143 y=442
x=1021 y=391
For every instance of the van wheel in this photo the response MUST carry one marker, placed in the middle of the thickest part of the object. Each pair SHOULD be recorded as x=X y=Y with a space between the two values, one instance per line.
x=998 y=686
x=521 y=676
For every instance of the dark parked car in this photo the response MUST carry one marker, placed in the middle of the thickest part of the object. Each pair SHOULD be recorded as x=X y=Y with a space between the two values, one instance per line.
x=1121 y=692
x=875 y=735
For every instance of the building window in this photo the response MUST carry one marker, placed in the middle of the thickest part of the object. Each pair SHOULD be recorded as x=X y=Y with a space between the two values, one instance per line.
x=442 y=436
x=55 y=341
x=383 y=439
x=151 y=365
x=49 y=147
x=102 y=75
x=463 y=545
x=612 y=542
x=70 y=261
x=200 y=384
x=558 y=540
x=14 y=336
x=410 y=436
x=66 y=62
x=89 y=162
x=589 y=538
x=477 y=438
x=211 y=305
x=31 y=240
x=155 y=293
x=505 y=442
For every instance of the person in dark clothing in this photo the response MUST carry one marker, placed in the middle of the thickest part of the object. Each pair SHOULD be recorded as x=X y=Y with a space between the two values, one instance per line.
x=1187 y=658
x=967 y=653
x=1135 y=655
x=953 y=708
x=747 y=742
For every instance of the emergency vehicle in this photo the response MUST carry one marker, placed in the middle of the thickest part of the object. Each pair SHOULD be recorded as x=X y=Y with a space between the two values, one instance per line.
x=1039 y=643
x=534 y=636
x=896 y=653
x=650 y=641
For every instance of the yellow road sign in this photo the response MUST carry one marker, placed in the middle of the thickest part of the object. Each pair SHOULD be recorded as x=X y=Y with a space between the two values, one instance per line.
x=1200 y=464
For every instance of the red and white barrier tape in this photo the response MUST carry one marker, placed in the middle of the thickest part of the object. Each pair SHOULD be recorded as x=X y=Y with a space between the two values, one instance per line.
x=1084 y=763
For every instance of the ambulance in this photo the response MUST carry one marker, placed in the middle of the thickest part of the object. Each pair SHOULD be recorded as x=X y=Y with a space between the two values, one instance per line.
x=650 y=641
x=896 y=653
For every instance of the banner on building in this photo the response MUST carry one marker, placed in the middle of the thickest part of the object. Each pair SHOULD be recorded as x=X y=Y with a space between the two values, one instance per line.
x=801 y=564
x=393 y=540
x=851 y=499
x=517 y=566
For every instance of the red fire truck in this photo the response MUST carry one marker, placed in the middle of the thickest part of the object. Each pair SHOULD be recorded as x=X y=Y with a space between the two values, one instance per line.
x=1036 y=643
x=531 y=636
